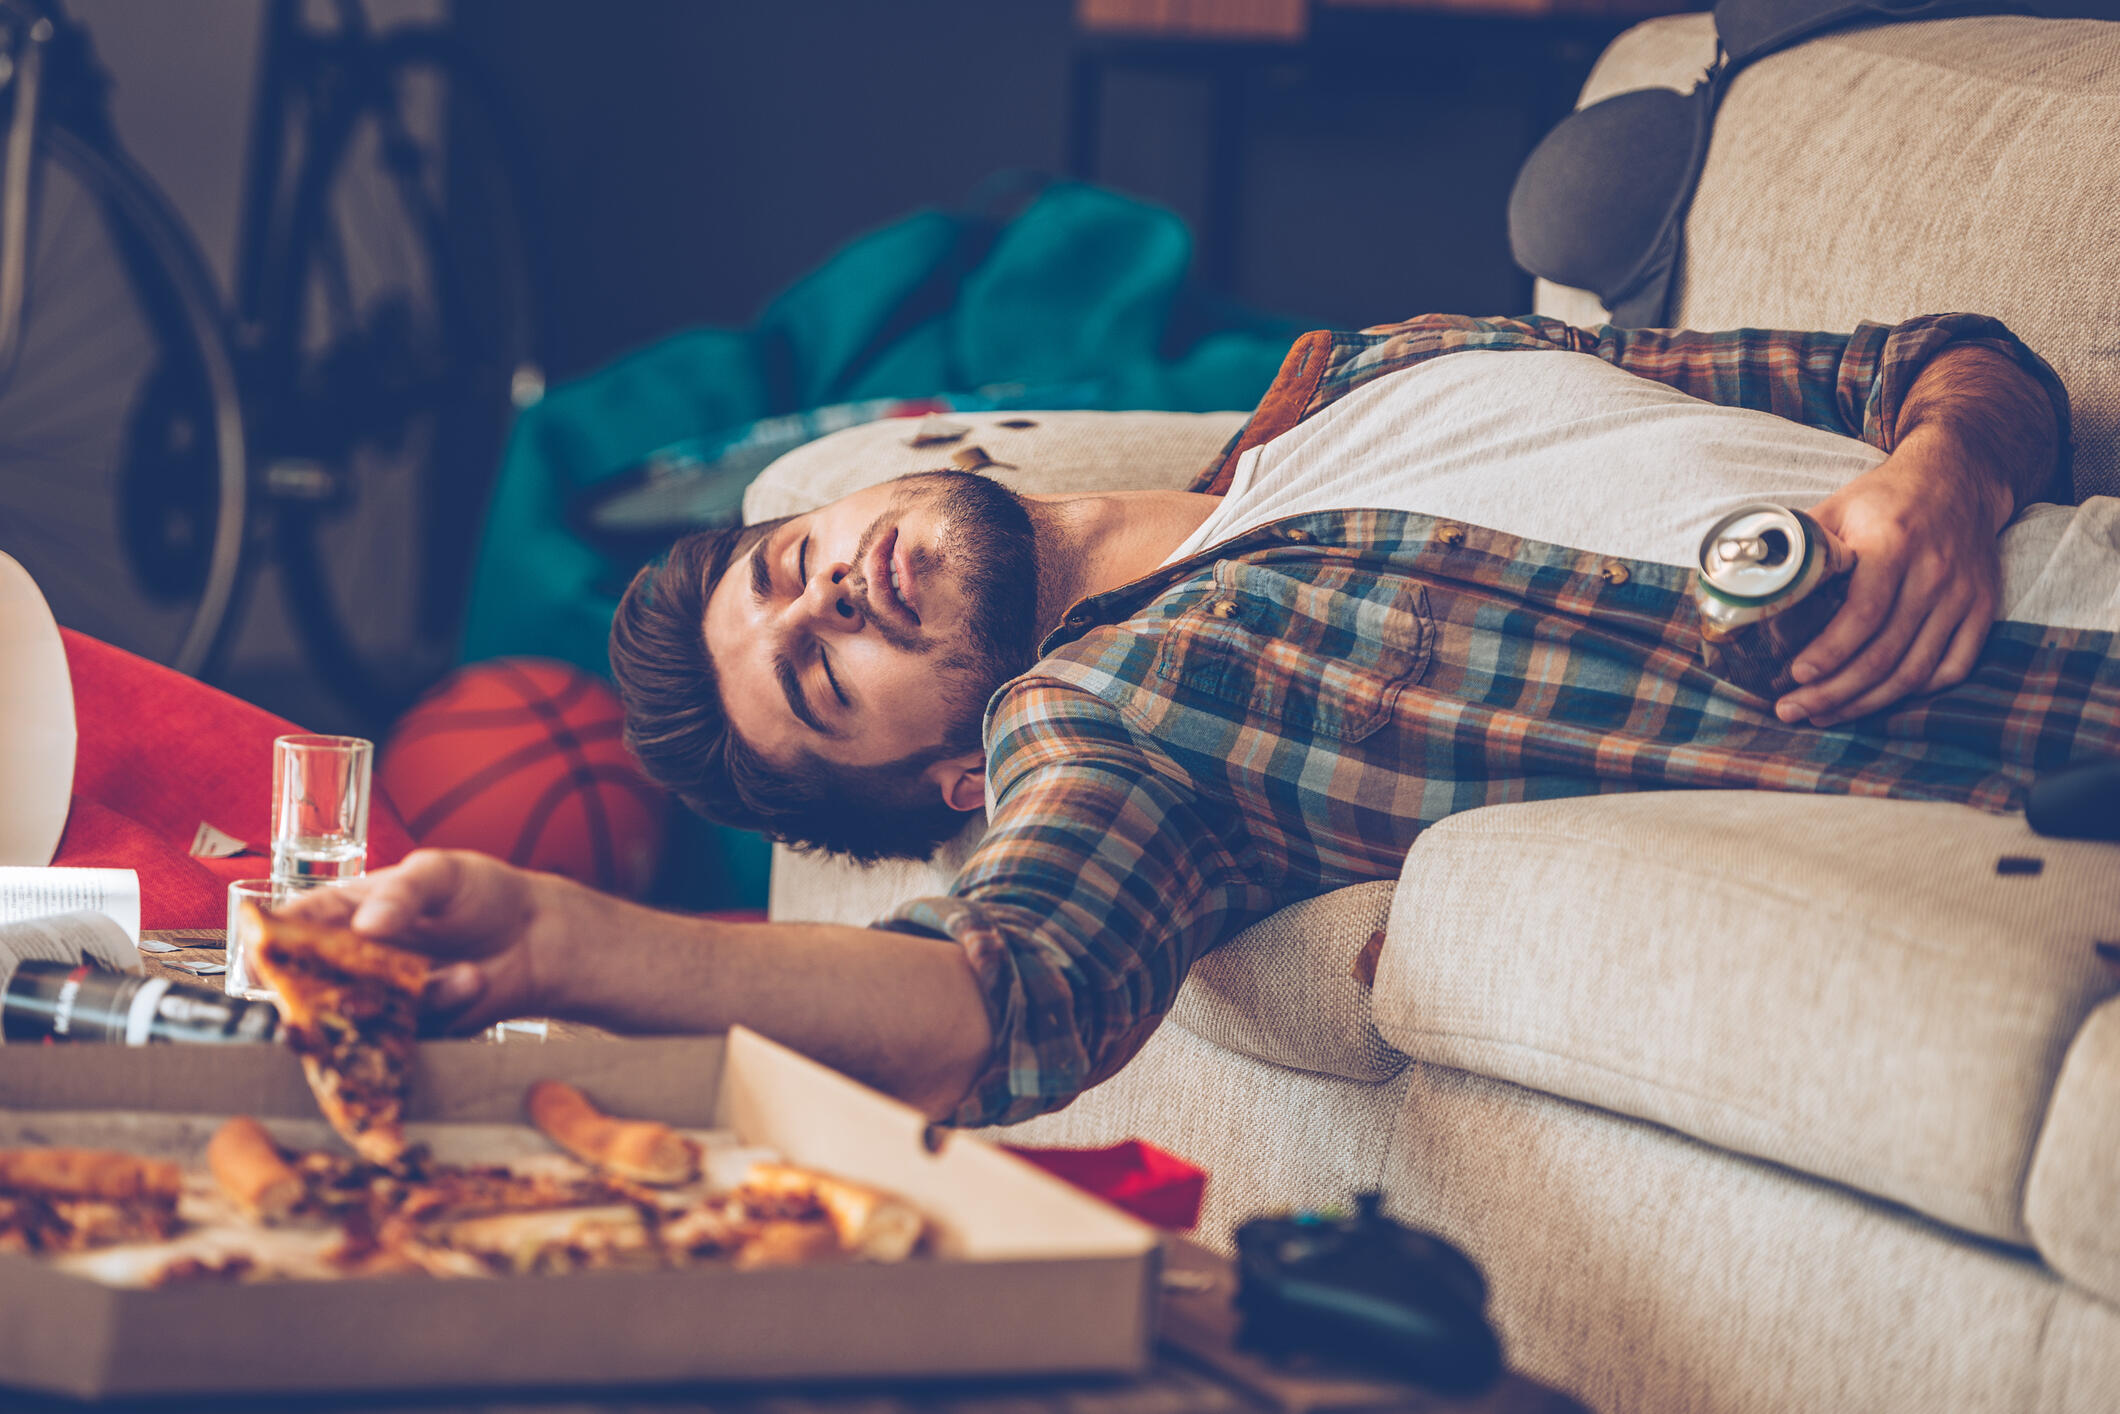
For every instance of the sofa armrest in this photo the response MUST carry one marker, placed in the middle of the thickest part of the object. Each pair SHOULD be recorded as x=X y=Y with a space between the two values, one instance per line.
x=2072 y=1199
x=1287 y=989
x=1045 y=453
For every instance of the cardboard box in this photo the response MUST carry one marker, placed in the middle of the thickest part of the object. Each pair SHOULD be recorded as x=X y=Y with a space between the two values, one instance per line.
x=1030 y=1276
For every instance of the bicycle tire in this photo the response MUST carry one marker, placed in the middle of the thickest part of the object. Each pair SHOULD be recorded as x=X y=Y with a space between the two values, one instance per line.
x=122 y=458
x=333 y=573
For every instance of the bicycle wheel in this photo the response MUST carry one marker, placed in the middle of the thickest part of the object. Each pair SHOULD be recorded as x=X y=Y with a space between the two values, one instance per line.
x=121 y=432
x=405 y=295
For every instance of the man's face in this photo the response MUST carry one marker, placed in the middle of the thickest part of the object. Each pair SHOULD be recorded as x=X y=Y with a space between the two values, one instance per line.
x=876 y=627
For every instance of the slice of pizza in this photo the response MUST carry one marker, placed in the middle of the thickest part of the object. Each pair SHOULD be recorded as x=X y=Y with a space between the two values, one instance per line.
x=73 y=1200
x=870 y=1224
x=349 y=1007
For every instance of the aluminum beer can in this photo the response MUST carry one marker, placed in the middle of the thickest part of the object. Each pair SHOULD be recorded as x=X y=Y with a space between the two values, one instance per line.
x=1756 y=562
x=47 y=1002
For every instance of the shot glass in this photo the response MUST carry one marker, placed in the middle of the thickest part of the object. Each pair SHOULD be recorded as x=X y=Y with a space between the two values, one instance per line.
x=320 y=789
x=266 y=894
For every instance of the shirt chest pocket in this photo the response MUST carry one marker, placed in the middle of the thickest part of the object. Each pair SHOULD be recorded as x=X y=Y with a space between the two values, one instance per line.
x=1324 y=655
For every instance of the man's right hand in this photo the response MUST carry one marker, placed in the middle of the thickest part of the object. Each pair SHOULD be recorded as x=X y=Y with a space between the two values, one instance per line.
x=497 y=928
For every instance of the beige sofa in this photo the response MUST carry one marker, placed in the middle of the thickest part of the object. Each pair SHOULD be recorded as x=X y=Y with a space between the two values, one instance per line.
x=1745 y=1101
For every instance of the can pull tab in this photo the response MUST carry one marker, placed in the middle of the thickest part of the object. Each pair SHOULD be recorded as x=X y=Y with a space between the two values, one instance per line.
x=1769 y=547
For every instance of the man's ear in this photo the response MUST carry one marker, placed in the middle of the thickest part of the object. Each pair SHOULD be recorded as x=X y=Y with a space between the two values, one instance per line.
x=962 y=780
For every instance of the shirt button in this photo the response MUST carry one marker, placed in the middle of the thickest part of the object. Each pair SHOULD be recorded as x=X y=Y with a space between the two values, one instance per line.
x=1450 y=534
x=1614 y=572
x=1223 y=608
x=1077 y=620
x=1297 y=535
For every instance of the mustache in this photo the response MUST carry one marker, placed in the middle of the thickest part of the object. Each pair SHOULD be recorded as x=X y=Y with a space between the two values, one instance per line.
x=857 y=588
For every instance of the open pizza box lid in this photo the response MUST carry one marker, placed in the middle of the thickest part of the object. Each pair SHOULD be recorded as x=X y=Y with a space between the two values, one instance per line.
x=1030 y=1276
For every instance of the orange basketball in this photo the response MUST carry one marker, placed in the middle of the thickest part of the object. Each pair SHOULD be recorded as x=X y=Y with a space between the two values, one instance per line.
x=521 y=758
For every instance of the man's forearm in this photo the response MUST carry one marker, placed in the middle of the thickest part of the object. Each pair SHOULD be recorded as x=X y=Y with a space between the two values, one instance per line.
x=2000 y=422
x=899 y=1011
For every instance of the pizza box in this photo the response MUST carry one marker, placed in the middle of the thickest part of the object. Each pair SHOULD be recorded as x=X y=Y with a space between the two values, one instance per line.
x=1028 y=1276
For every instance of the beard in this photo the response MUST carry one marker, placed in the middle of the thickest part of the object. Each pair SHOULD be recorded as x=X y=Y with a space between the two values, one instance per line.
x=990 y=545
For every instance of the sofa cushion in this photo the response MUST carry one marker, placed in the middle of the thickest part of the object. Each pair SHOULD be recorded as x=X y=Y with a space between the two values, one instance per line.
x=1894 y=170
x=2072 y=1203
x=1043 y=453
x=1285 y=990
x=1847 y=986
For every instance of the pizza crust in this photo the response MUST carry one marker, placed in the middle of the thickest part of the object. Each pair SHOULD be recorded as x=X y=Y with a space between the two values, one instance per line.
x=644 y=1151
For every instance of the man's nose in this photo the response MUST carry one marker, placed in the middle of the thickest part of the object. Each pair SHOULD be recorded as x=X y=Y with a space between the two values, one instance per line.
x=828 y=601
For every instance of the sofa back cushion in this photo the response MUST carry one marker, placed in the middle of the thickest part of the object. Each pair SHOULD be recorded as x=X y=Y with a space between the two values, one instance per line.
x=1861 y=989
x=1904 y=169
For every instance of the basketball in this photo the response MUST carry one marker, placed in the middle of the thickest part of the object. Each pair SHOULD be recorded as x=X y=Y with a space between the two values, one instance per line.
x=521 y=758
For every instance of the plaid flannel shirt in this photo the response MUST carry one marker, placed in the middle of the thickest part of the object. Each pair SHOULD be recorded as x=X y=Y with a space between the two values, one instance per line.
x=1283 y=714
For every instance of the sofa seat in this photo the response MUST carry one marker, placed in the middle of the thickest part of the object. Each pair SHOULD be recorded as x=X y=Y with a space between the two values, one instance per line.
x=1878 y=992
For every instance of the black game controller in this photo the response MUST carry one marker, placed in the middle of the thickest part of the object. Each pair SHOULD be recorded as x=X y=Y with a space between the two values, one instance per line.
x=1369 y=1291
x=2079 y=803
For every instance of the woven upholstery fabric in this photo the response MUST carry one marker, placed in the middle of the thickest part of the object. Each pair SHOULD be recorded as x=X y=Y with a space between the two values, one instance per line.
x=1641 y=1270
x=816 y=888
x=2072 y=1203
x=1843 y=985
x=1056 y=452
x=1284 y=989
x=1907 y=169
x=1270 y=1138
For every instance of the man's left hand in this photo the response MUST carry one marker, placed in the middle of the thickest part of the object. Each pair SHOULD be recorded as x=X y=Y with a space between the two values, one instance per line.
x=1925 y=589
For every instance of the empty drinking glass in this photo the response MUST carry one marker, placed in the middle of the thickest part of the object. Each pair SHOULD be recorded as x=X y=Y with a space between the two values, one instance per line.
x=320 y=788
x=265 y=894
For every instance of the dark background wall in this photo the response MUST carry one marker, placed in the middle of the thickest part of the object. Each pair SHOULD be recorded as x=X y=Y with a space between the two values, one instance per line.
x=695 y=156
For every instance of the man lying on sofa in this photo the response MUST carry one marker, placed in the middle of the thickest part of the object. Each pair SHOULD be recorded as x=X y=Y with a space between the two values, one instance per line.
x=1182 y=710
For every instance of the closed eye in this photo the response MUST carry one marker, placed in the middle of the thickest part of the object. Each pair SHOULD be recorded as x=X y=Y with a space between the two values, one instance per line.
x=802 y=566
x=824 y=660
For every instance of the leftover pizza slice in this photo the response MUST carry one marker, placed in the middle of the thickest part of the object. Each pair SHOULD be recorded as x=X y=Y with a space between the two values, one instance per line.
x=868 y=1224
x=349 y=1007
x=71 y=1200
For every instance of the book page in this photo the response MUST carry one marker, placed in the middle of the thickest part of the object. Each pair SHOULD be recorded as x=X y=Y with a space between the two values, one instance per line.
x=67 y=937
x=36 y=893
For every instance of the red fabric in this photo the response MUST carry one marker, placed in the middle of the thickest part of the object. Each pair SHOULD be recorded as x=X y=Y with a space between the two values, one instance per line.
x=159 y=754
x=1154 y=1186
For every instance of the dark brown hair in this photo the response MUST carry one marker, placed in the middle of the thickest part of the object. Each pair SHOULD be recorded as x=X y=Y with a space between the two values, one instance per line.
x=675 y=726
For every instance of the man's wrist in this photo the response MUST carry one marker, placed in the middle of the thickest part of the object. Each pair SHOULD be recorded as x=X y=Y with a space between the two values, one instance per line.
x=1989 y=419
x=557 y=978
x=1956 y=464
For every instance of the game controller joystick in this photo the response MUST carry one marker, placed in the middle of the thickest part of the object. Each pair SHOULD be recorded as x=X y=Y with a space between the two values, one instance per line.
x=1369 y=1291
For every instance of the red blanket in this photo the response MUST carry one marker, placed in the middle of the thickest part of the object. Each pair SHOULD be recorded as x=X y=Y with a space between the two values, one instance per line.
x=161 y=754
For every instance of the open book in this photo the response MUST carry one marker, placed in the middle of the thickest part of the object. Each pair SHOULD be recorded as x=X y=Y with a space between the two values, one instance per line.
x=68 y=915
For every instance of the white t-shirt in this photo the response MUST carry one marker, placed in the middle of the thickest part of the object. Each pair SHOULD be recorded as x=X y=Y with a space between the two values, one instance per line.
x=1571 y=450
